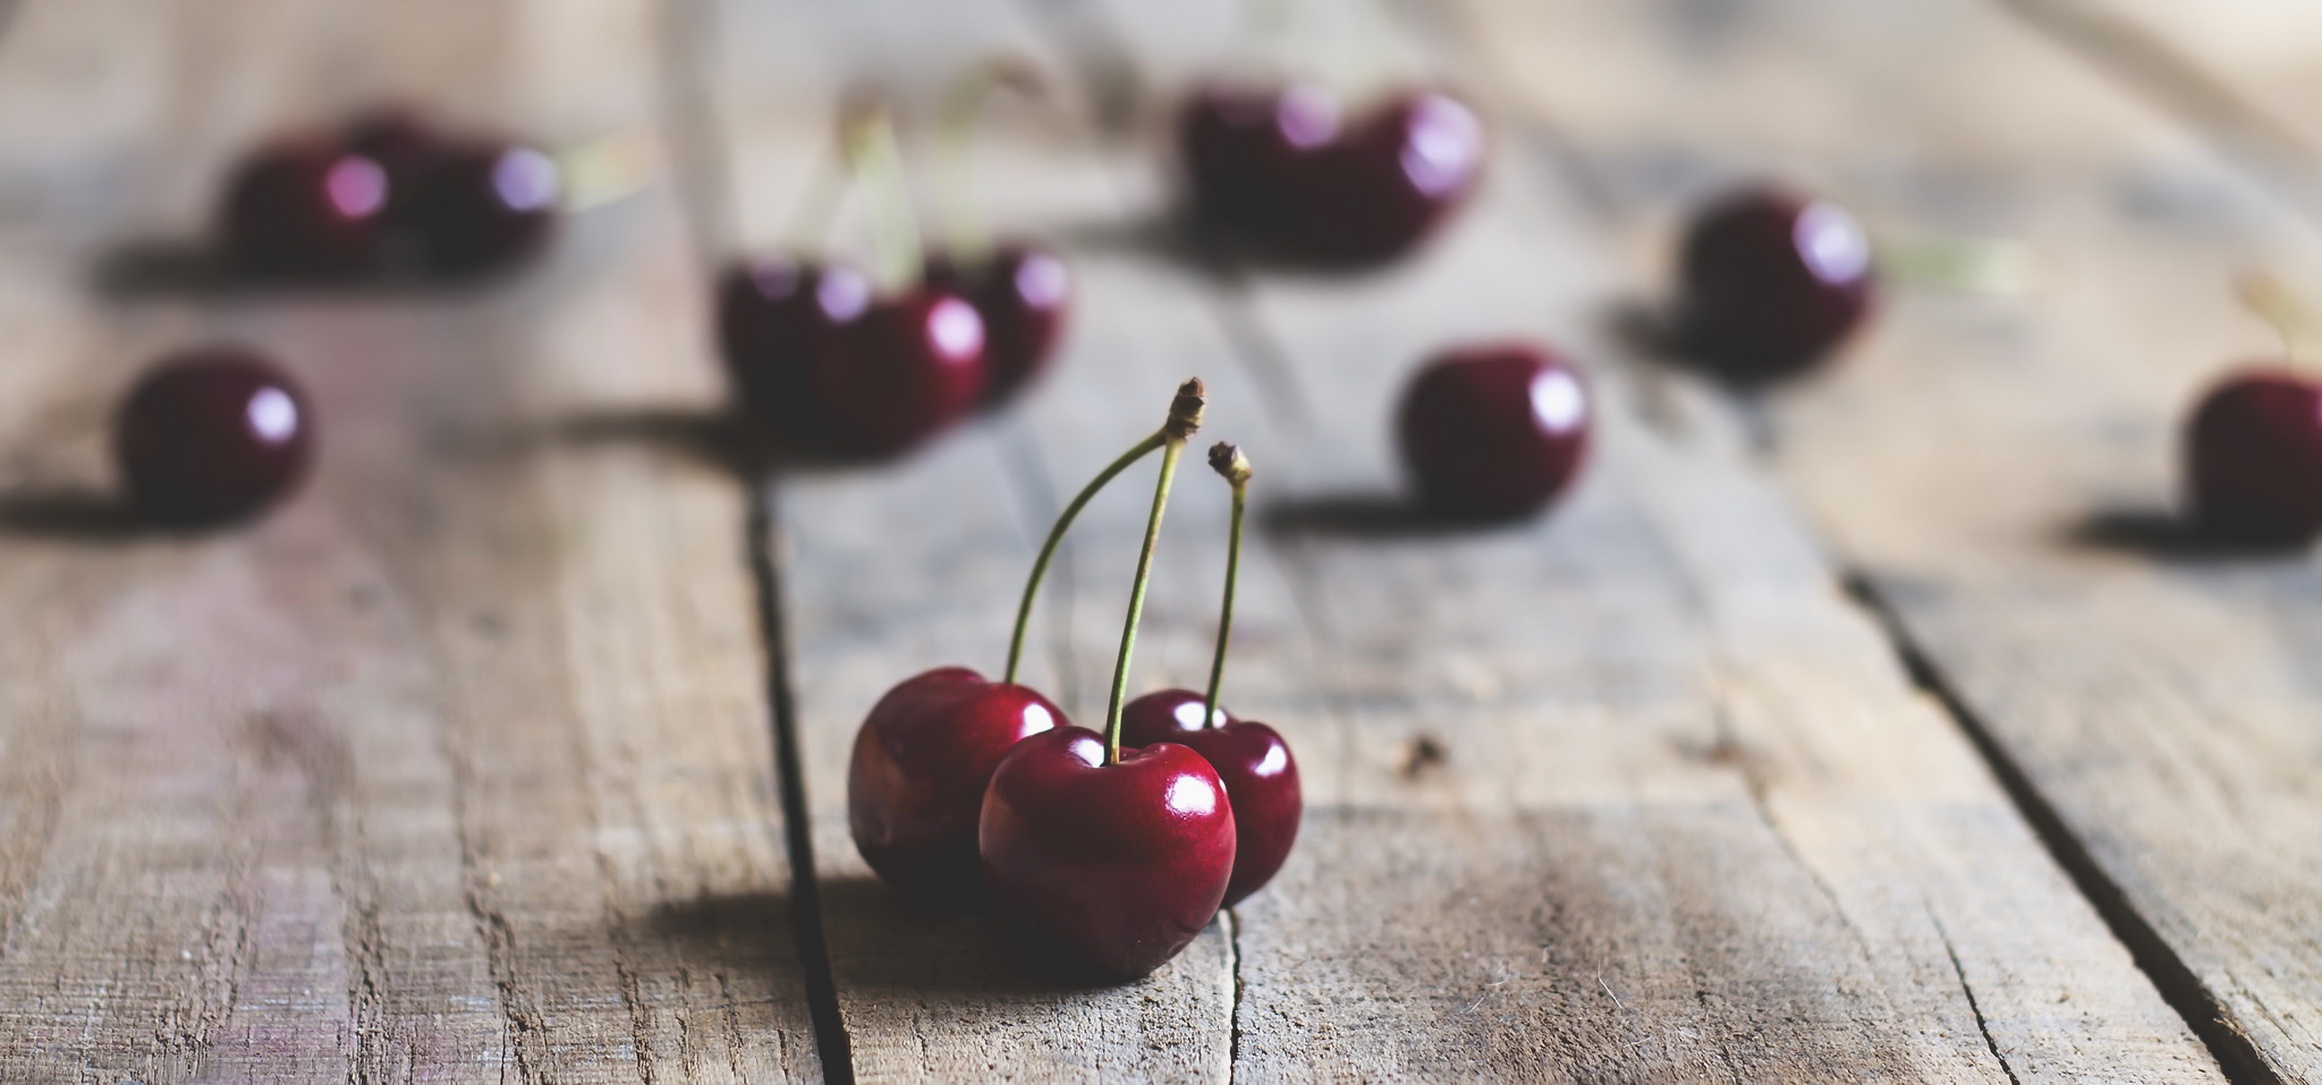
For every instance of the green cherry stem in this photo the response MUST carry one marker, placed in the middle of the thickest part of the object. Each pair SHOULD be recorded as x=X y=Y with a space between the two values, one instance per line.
x=2269 y=299
x=963 y=107
x=875 y=154
x=1228 y=462
x=1184 y=413
x=1184 y=419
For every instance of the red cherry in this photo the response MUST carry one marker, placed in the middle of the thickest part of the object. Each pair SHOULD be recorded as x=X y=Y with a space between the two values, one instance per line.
x=1772 y=283
x=402 y=141
x=1254 y=764
x=2254 y=457
x=1495 y=430
x=306 y=208
x=908 y=367
x=1283 y=170
x=774 y=315
x=1022 y=293
x=481 y=205
x=1121 y=864
x=916 y=785
x=212 y=434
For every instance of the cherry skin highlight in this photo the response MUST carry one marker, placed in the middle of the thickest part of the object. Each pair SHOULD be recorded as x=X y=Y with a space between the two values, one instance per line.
x=1254 y=764
x=1022 y=293
x=1772 y=283
x=2253 y=454
x=1121 y=865
x=1283 y=169
x=212 y=435
x=306 y=208
x=915 y=787
x=1496 y=430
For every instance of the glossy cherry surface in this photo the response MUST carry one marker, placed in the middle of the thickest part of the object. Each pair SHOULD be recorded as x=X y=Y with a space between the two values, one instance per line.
x=905 y=369
x=1283 y=168
x=915 y=787
x=306 y=208
x=1495 y=430
x=1254 y=764
x=1022 y=292
x=774 y=315
x=212 y=435
x=1120 y=864
x=2254 y=457
x=1772 y=283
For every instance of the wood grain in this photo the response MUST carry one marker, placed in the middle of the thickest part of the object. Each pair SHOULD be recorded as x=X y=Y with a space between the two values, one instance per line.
x=455 y=766
x=1693 y=822
x=2001 y=471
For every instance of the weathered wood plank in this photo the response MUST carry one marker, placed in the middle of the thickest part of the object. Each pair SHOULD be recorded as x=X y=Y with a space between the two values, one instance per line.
x=2002 y=472
x=1694 y=822
x=455 y=766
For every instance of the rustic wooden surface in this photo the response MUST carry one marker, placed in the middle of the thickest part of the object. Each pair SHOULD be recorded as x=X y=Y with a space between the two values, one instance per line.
x=458 y=767
x=2002 y=473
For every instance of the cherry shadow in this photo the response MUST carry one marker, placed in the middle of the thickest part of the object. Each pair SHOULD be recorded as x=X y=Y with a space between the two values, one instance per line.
x=86 y=515
x=1373 y=516
x=880 y=942
x=749 y=925
x=1651 y=329
x=191 y=268
x=2166 y=536
x=712 y=437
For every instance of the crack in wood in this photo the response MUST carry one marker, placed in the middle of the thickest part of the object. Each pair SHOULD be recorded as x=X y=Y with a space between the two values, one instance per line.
x=1981 y=1025
x=2176 y=981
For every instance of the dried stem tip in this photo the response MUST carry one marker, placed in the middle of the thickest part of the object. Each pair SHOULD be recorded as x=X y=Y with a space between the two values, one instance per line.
x=1185 y=411
x=1229 y=463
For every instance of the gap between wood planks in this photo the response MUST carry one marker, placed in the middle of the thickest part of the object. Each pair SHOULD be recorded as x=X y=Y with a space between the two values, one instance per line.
x=2178 y=985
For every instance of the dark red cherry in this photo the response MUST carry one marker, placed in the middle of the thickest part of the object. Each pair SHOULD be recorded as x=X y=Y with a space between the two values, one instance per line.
x=1772 y=283
x=481 y=205
x=1254 y=764
x=1282 y=169
x=306 y=208
x=1120 y=864
x=2254 y=457
x=1022 y=293
x=1241 y=148
x=402 y=141
x=915 y=788
x=905 y=369
x=774 y=315
x=212 y=435
x=1495 y=430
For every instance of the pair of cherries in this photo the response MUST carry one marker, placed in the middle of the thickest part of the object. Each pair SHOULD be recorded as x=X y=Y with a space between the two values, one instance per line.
x=826 y=364
x=388 y=194
x=1283 y=169
x=1117 y=847
x=211 y=435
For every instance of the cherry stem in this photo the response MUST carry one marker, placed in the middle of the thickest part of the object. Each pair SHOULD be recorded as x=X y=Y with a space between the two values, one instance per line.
x=970 y=241
x=2272 y=301
x=833 y=177
x=1184 y=419
x=1229 y=462
x=1995 y=266
x=1171 y=449
x=1056 y=536
x=875 y=153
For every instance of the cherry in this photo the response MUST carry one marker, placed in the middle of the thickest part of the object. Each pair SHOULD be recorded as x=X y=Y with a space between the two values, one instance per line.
x=2254 y=457
x=306 y=207
x=916 y=783
x=909 y=366
x=1252 y=762
x=1772 y=283
x=1120 y=859
x=1281 y=169
x=1260 y=776
x=1118 y=856
x=211 y=435
x=1022 y=292
x=481 y=205
x=774 y=315
x=926 y=753
x=1495 y=430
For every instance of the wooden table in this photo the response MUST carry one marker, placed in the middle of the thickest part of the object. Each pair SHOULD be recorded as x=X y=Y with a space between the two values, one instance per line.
x=1886 y=728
